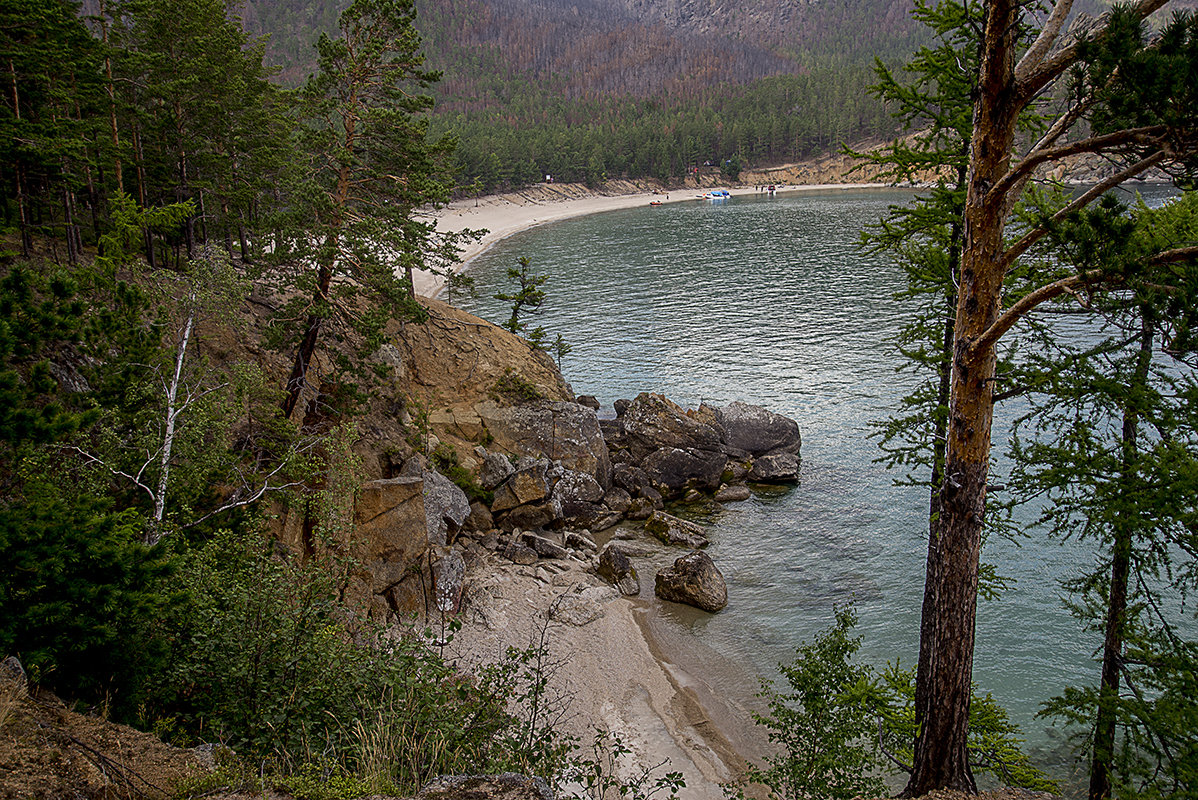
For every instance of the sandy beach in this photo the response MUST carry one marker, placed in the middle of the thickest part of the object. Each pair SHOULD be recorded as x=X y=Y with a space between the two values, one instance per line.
x=503 y=215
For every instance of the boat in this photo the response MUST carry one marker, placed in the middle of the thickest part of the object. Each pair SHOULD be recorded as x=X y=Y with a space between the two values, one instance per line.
x=654 y=202
x=718 y=194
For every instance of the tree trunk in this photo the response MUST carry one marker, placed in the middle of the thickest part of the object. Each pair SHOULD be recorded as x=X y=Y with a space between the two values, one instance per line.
x=1116 y=614
x=307 y=347
x=943 y=686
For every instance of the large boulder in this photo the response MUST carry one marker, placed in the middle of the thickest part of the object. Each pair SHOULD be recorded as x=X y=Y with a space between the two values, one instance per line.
x=693 y=580
x=446 y=507
x=390 y=531
x=530 y=484
x=494 y=470
x=678 y=469
x=672 y=530
x=758 y=431
x=561 y=431
x=652 y=422
x=533 y=515
x=574 y=487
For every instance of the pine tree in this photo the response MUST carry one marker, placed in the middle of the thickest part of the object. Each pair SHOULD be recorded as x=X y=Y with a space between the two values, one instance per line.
x=368 y=168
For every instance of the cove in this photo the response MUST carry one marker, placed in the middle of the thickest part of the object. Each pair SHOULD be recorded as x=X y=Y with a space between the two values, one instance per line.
x=769 y=300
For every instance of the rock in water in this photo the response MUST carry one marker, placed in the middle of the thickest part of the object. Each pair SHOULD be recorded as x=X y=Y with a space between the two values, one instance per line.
x=672 y=530
x=758 y=431
x=732 y=494
x=693 y=580
x=777 y=468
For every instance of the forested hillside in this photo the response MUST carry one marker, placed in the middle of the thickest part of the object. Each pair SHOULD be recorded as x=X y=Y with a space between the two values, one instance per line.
x=625 y=88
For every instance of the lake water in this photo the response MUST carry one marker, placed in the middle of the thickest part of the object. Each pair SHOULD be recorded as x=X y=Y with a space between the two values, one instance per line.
x=768 y=300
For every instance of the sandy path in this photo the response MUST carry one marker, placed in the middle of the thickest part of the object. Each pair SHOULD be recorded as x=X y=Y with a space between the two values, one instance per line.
x=507 y=214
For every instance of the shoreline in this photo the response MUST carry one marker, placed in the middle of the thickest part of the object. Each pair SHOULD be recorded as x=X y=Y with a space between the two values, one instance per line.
x=504 y=215
x=615 y=664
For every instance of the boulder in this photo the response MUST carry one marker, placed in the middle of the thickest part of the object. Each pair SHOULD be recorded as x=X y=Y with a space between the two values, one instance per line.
x=640 y=508
x=776 y=468
x=520 y=554
x=533 y=515
x=588 y=400
x=480 y=519
x=576 y=610
x=505 y=786
x=653 y=422
x=758 y=431
x=672 y=530
x=615 y=565
x=544 y=547
x=574 y=486
x=582 y=514
x=617 y=499
x=495 y=469
x=390 y=530
x=631 y=479
x=693 y=580
x=579 y=541
x=621 y=406
x=606 y=521
x=732 y=494
x=678 y=469
x=529 y=484
x=562 y=431
x=445 y=507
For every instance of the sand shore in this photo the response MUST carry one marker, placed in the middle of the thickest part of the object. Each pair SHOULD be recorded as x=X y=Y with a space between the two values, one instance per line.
x=506 y=214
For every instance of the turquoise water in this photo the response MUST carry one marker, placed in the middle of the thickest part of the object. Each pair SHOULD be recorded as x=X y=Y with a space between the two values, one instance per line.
x=768 y=300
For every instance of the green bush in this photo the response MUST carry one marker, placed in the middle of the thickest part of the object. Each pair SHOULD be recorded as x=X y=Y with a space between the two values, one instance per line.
x=268 y=661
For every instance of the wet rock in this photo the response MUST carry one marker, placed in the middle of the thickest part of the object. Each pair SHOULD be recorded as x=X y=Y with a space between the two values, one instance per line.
x=777 y=468
x=677 y=468
x=632 y=479
x=757 y=430
x=732 y=494
x=672 y=530
x=693 y=580
x=640 y=508
x=621 y=406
